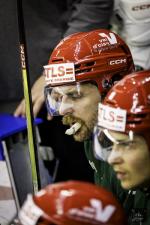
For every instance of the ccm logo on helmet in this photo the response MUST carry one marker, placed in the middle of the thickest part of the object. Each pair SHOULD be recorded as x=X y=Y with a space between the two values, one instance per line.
x=141 y=7
x=117 y=61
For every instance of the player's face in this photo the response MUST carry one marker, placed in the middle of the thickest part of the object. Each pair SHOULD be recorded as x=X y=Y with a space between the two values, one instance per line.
x=79 y=104
x=130 y=161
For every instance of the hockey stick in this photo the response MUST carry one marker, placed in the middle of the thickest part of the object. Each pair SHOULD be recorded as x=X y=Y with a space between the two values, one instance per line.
x=28 y=102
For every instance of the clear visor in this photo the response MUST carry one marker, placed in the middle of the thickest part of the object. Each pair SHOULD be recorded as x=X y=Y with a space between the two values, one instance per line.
x=104 y=141
x=53 y=100
x=61 y=99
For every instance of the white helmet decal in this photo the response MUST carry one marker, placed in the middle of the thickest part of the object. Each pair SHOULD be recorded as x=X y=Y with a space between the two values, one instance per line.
x=112 y=39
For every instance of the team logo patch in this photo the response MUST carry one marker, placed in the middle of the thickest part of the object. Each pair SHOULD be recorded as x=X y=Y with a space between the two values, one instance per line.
x=105 y=42
x=59 y=73
x=118 y=61
x=111 y=118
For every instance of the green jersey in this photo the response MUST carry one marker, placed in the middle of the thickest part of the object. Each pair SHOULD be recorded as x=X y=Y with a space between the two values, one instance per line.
x=135 y=203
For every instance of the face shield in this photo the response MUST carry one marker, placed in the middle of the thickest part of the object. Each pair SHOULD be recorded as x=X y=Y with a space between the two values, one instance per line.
x=61 y=89
x=110 y=131
x=105 y=140
x=61 y=99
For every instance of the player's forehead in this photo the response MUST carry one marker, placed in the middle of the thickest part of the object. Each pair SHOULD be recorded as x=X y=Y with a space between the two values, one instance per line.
x=65 y=89
x=119 y=137
x=73 y=88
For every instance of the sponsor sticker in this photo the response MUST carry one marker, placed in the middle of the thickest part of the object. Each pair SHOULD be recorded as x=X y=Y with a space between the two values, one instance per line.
x=95 y=212
x=59 y=73
x=118 y=61
x=111 y=38
x=105 y=41
x=111 y=118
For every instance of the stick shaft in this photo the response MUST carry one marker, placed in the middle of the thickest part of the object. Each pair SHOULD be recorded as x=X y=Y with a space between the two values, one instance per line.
x=28 y=102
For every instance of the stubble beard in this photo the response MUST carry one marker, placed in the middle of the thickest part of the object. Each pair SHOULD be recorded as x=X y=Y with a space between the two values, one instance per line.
x=85 y=132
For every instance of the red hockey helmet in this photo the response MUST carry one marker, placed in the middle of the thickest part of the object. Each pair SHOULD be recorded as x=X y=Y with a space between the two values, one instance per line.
x=72 y=203
x=133 y=94
x=99 y=56
x=127 y=108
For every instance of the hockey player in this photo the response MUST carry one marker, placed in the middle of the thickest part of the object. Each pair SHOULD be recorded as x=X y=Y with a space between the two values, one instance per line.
x=124 y=140
x=81 y=70
x=71 y=203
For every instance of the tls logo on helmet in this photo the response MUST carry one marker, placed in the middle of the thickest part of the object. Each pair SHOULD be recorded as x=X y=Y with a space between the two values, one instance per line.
x=118 y=61
x=111 y=118
x=112 y=38
x=59 y=73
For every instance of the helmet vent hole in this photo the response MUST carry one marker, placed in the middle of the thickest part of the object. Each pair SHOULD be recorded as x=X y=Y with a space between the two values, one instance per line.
x=83 y=68
x=136 y=119
x=133 y=122
x=141 y=115
x=111 y=103
x=89 y=64
x=58 y=60
x=77 y=66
